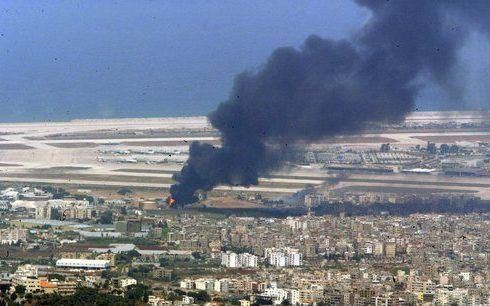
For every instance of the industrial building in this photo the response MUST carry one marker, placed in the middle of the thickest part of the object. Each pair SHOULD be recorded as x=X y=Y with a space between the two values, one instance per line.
x=83 y=263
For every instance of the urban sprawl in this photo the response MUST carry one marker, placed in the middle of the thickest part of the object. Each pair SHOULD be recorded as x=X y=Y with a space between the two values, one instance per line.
x=396 y=216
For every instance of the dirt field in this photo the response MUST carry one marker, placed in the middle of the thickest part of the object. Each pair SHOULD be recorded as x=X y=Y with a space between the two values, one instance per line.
x=57 y=170
x=111 y=192
x=91 y=177
x=64 y=173
x=228 y=202
x=69 y=145
x=145 y=171
x=357 y=139
x=14 y=146
x=403 y=190
x=126 y=134
x=168 y=143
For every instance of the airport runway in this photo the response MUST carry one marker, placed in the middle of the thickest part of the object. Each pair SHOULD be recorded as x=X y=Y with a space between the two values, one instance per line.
x=39 y=159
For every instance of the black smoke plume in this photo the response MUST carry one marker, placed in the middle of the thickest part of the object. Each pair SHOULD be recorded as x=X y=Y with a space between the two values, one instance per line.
x=330 y=87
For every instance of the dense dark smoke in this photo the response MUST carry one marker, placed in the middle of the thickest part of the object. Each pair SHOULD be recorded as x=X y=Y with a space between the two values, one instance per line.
x=329 y=87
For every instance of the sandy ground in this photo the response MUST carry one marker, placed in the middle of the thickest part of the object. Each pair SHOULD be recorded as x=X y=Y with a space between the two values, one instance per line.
x=227 y=202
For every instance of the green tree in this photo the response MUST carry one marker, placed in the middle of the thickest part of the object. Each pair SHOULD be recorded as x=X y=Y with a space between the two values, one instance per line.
x=171 y=296
x=79 y=197
x=45 y=226
x=82 y=296
x=138 y=292
x=262 y=301
x=200 y=296
x=127 y=257
x=106 y=217
x=56 y=215
x=196 y=255
x=29 y=296
x=56 y=276
x=124 y=191
x=20 y=290
x=164 y=261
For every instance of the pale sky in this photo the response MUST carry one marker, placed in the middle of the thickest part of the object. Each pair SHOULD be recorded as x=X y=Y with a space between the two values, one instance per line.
x=61 y=60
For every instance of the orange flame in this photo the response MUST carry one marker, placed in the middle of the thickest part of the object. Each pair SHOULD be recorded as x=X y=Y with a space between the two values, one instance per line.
x=171 y=201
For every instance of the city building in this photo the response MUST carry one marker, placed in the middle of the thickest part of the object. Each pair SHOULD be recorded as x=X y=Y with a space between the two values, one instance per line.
x=83 y=263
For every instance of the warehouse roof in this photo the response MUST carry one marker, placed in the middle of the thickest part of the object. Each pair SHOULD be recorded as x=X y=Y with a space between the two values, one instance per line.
x=83 y=263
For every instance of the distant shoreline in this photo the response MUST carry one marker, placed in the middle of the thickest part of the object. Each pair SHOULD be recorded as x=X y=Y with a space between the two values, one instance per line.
x=416 y=115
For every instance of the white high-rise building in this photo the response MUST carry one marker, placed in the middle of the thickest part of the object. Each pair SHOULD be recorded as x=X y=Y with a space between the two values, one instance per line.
x=244 y=260
x=294 y=259
x=204 y=284
x=43 y=212
x=27 y=276
x=368 y=248
x=221 y=285
x=293 y=296
x=247 y=260
x=229 y=260
x=187 y=284
x=284 y=257
x=278 y=295
x=277 y=259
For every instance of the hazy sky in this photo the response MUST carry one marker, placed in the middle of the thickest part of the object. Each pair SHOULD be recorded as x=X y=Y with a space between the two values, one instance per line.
x=95 y=59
